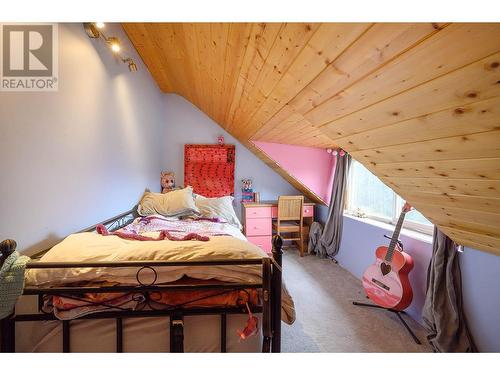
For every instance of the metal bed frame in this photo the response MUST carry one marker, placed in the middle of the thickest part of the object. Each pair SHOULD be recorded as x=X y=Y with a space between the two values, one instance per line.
x=270 y=286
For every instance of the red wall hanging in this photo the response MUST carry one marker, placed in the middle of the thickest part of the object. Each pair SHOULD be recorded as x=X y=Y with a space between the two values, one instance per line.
x=209 y=169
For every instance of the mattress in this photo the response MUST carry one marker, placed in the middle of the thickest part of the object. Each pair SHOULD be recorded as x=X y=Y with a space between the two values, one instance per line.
x=201 y=334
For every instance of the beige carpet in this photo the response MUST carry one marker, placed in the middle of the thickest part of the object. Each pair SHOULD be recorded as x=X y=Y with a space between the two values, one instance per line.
x=326 y=319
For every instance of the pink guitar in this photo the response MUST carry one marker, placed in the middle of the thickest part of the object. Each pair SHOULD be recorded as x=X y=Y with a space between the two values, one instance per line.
x=386 y=282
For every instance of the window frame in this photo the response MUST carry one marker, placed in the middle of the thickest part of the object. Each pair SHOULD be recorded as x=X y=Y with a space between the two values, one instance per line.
x=396 y=207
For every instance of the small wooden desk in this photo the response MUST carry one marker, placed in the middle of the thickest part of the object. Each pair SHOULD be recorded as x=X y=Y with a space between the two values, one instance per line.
x=257 y=222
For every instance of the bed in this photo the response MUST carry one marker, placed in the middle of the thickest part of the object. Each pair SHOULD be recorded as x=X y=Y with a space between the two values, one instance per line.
x=130 y=293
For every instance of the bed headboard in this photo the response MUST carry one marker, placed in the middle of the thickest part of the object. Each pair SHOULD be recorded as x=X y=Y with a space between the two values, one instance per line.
x=209 y=169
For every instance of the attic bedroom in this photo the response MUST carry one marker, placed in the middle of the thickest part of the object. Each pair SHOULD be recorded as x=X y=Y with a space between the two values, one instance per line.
x=250 y=187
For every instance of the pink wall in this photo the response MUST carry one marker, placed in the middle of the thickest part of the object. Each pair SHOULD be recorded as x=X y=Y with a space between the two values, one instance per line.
x=312 y=166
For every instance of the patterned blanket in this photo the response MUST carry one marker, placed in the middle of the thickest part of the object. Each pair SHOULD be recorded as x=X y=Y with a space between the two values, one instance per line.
x=179 y=229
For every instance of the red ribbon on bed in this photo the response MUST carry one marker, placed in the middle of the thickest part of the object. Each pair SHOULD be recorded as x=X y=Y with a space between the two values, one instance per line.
x=101 y=229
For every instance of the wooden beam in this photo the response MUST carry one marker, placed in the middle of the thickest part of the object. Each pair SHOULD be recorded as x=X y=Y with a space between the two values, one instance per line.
x=480 y=188
x=483 y=204
x=477 y=241
x=470 y=146
x=474 y=82
x=325 y=45
x=459 y=120
x=486 y=169
x=453 y=47
x=461 y=217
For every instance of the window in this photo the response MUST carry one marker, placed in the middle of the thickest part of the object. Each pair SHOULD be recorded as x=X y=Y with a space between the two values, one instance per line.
x=370 y=197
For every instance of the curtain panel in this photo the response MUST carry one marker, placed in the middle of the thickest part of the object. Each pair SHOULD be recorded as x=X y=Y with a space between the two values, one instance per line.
x=329 y=243
x=443 y=314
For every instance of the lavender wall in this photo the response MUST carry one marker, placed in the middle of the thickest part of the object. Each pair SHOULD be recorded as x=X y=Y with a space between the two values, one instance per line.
x=481 y=284
x=312 y=166
x=185 y=123
x=481 y=292
x=74 y=157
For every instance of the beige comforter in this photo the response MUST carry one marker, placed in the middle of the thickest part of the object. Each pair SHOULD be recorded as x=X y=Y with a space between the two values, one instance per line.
x=93 y=247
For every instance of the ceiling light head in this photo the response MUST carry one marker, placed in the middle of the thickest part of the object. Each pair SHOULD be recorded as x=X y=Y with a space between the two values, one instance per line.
x=99 y=25
x=131 y=66
x=114 y=44
x=91 y=30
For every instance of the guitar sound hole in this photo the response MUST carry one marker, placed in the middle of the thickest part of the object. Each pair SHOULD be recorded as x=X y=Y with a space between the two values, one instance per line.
x=380 y=284
x=385 y=268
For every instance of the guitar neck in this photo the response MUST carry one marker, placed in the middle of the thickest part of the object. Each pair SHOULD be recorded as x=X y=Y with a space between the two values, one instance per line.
x=395 y=237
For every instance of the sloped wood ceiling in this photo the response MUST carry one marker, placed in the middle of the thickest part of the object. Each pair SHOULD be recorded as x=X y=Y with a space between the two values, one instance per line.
x=417 y=104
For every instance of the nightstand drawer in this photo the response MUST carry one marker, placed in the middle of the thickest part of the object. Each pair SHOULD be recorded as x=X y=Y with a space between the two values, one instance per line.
x=264 y=242
x=308 y=211
x=257 y=212
x=258 y=227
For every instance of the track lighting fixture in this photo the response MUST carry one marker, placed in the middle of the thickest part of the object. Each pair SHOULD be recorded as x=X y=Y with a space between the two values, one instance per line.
x=131 y=65
x=95 y=31
x=114 y=44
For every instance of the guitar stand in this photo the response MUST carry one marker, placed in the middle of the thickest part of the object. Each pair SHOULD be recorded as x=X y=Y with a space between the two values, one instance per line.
x=398 y=314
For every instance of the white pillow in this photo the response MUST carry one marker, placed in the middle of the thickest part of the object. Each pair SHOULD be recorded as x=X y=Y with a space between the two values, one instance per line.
x=174 y=203
x=221 y=208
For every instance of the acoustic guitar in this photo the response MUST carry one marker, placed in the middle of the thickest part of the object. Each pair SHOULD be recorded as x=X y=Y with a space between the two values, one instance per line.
x=386 y=281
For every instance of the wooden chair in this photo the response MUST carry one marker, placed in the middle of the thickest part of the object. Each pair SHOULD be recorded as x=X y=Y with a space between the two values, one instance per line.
x=290 y=219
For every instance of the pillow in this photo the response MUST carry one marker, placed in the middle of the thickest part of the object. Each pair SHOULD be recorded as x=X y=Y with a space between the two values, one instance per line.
x=221 y=208
x=174 y=203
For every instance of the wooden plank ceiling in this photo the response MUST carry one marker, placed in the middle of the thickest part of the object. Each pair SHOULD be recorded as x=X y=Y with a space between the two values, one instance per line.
x=417 y=104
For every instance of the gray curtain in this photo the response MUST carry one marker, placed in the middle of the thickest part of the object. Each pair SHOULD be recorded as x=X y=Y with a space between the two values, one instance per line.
x=315 y=231
x=329 y=242
x=443 y=313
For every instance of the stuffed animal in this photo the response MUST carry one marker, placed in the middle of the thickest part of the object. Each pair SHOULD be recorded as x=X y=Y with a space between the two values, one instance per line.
x=167 y=181
x=246 y=185
x=246 y=190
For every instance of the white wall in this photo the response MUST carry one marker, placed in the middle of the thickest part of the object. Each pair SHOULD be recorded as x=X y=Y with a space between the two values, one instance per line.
x=185 y=123
x=74 y=157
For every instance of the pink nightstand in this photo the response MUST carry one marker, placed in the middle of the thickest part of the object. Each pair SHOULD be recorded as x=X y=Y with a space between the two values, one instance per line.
x=257 y=221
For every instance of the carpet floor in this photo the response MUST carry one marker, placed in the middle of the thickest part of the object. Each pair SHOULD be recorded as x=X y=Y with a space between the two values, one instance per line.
x=327 y=321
